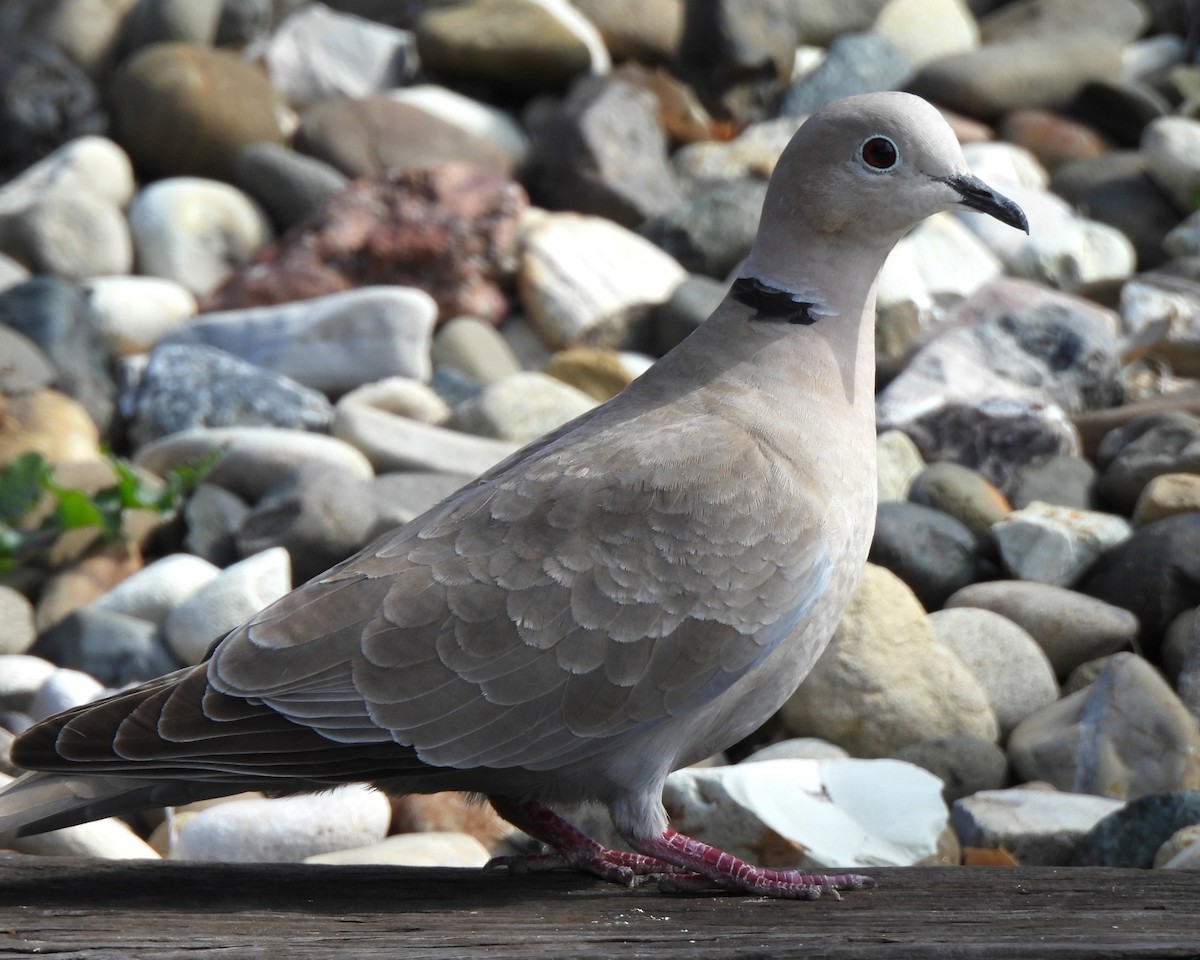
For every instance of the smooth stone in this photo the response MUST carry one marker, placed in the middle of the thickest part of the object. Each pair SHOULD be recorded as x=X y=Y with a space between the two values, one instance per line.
x=688 y=306
x=404 y=397
x=1053 y=138
x=21 y=675
x=320 y=513
x=320 y=54
x=12 y=272
x=234 y=596
x=475 y=348
x=752 y=153
x=517 y=45
x=64 y=689
x=287 y=184
x=451 y=231
x=1045 y=212
x=1132 y=835
x=432 y=849
x=285 y=829
x=87 y=31
x=810 y=814
x=195 y=231
x=390 y=442
x=473 y=116
x=188 y=386
x=646 y=31
x=1115 y=189
x=243 y=22
x=521 y=408
x=588 y=281
x=965 y=763
x=599 y=373
x=1123 y=20
x=1070 y=627
x=1038 y=827
x=158 y=588
x=26 y=367
x=84 y=580
x=961 y=493
x=115 y=648
x=379 y=135
x=401 y=496
x=884 y=644
x=927 y=30
x=855 y=63
x=1178 y=644
x=1178 y=852
x=1152 y=574
x=602 y=151
x=1146 y=448
x=213 y=515
x=1076 y=254
x=932 y=552
x=899 y=463
x=1038 y=71
x=451 y=811
x=1062 y=480
x=798 y=748
x=16 y=613
x=711 y=231
x=134 y=313
x=172 y=21
x=1167 y=495
x=252 y=458
x=54 y=315
x=930 y=270
x=1008 y=663
x=333 y=343
x=183 y=110
x=1169 y=146
x=1124 y=736
x=49 y=423
x=1057 y=545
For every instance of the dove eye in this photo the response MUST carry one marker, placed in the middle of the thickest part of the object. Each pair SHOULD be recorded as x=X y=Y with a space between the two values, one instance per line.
x=879 y=153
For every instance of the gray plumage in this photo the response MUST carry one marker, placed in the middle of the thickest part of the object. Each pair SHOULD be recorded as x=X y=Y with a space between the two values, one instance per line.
x=625 y=596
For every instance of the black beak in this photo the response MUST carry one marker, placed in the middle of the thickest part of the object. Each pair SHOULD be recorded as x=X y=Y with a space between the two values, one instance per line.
x=979 y=196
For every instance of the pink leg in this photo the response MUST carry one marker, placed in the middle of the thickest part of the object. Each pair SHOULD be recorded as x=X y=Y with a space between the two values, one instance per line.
x=727 y=871
x=573 y=847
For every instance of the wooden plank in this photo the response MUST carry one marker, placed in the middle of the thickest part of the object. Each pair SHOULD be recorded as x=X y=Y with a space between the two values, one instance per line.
x=122 y=910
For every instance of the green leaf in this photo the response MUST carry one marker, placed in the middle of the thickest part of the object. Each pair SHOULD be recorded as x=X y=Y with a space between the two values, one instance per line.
x=76 y=509
x=21 y=486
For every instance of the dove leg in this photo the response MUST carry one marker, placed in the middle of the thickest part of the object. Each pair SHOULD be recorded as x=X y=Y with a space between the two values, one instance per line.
x=573 y=847
x=725 y=870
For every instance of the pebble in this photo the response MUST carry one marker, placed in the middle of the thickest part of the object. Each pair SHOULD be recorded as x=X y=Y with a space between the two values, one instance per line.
x=187 y=386
x=134 y=313
x=798 y=748
x=713 y=229
x=1057 y=545
x=26 y=367
x=646 y=31
x=1169 y=146
x=1147 y=448
x=587 y=281
x=390 y=442
x=475 y=349
x=232 y=597
x=195 y=231
x=899 y=465
x=1038 y=827
x=80 y=582
x=966 y=763
x=1066 y=481
x=1167 y=495
x=16 y=613
x=155 y=590
x=1007 y=662
x=854 y=63
x=1052 y=137
x=688 y=306
x=450 y=811
x=212 y=516
x=1132 y=835
x=285 y=829
x=63 y=690
x=1179 y=850
x=252 y=458
x=601 y=374
x=1075 y=254
x=522 y=407
x=1070 y=627
x=478 y=119
x=1124 y=736
x=811 y=814
x=113 y=647
x=21 y=675
x=884 y=644
x=960 y=493
x=319 y=54
x=49 y=423
x=924 y=31
x=288 y=185
x=403 y=397
x=432 y=849
x=932 y=552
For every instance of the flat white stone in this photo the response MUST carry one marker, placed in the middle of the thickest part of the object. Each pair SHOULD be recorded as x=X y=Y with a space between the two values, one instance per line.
x=62 y=690
x=134 y=313
x=1052 y=544
x=155 y=590
x=430 y=849
x=1076 y=253
x=470 y=115
x=21 y=675
x=1171 y=149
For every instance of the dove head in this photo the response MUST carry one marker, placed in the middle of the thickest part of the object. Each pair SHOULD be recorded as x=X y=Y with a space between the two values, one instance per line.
x=855 y=178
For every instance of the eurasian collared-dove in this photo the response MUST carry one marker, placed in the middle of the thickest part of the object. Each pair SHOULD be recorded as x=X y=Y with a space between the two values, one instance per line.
x=628 y=595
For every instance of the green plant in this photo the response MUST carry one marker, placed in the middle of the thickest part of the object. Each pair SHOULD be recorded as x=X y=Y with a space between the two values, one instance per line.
x=26 y=481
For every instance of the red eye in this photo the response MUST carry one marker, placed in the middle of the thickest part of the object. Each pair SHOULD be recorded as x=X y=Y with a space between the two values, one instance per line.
x=880 y=153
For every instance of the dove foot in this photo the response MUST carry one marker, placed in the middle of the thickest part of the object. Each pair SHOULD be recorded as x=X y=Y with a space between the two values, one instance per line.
x=573 y=848
x=705 y=867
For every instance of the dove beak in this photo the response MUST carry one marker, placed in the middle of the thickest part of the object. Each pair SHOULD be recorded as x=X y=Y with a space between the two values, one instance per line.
x=977 y=195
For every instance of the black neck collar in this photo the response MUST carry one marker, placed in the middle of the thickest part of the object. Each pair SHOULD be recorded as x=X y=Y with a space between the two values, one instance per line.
x=770 y=303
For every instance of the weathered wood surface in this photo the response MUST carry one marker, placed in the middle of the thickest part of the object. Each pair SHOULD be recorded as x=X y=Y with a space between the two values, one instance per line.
x=112 y=910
